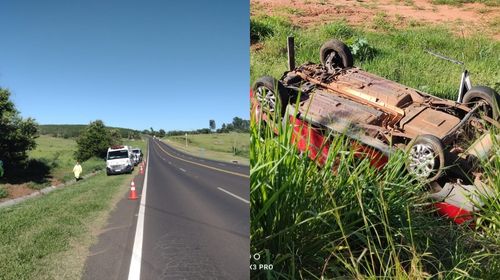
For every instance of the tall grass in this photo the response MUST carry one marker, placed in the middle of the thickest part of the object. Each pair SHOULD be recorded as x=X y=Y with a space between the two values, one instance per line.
x=348 y=219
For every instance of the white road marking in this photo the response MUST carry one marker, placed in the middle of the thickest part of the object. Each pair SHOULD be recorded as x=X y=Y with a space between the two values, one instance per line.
x=183 y=170
x=233 y=195
x=134 y=272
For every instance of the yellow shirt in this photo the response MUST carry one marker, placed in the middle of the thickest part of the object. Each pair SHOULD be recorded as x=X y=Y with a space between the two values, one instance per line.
x=77 y=170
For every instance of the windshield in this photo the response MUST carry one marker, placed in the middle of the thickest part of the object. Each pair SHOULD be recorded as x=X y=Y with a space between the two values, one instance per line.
x=136 y=151
x=118 y=154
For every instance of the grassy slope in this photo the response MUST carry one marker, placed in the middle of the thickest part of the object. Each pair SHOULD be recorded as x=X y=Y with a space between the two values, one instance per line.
x=360 y=222
x=48 y=237
x=59 y=152
x=400 y=53
x=217 y=146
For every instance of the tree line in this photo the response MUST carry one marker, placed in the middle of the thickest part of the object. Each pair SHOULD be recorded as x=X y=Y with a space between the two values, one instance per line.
x=237 y=125
x=74 y=130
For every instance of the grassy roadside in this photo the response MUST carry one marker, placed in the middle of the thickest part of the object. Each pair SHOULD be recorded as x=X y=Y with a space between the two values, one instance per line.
x=217 y=146
x=52 y=163
x=48 y=237
x=38 y=236
x=57 y=153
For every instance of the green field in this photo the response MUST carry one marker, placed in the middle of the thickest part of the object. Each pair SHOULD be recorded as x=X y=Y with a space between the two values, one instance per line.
x=359 y=222
x=219 y=146
x=58 y=154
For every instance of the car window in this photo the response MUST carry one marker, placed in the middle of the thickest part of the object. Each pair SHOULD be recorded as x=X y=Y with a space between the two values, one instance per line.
x=118 y=154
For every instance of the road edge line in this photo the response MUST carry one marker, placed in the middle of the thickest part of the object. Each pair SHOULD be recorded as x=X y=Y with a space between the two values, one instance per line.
x=233 y=195
x=199 y=164
x=134 y=272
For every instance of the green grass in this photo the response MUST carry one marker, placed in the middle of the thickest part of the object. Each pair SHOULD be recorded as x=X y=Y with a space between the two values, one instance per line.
x=48 y=237
x=461 y=2
x=400 y=54
x=58 y=154
x=215 y=145
x=358 y=222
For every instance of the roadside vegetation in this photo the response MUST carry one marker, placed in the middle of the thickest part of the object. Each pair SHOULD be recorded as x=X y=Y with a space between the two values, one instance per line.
x=48 y=237
x=229 y=142
x=218 y=146
x=359 y=222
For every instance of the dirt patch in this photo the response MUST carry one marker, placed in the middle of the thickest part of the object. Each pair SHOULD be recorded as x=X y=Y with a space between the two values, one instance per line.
x=16 y=191
x=466 y=19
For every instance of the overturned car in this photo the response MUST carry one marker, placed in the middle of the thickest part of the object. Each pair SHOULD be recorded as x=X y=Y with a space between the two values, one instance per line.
x=445 y=140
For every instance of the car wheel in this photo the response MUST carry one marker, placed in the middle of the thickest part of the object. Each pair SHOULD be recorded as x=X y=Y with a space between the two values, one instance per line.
x=334 y=54
x=486 y=95
x=426 y=158
x=271 y=95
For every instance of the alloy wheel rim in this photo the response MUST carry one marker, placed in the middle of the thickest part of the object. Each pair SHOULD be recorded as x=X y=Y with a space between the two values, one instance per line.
x=266 y=98
x=422 y=160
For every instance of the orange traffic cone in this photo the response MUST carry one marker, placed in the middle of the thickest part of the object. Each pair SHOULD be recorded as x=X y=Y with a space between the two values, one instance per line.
x=132 y=195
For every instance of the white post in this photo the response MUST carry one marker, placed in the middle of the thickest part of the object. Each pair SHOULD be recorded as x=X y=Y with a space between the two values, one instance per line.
x=186 y=140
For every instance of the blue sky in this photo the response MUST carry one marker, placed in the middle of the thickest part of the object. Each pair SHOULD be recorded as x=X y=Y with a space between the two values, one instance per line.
x=135 y=64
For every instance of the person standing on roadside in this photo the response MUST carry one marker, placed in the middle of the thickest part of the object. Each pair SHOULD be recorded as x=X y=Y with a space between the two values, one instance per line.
x=77 y=170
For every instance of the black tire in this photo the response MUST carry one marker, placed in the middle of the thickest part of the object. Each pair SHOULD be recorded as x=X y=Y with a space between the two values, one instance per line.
x=342 y=56
x=426 y=157
x=487 y=95
x=265 y=91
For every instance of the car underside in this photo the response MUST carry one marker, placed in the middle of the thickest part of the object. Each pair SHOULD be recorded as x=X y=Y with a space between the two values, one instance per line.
x=445 y=140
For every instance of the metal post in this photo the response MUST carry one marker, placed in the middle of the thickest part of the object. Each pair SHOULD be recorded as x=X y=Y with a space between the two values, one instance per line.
x=186 y=140
x=291 y=53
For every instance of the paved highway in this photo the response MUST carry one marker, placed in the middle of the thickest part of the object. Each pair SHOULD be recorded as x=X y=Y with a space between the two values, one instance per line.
x=192 y=223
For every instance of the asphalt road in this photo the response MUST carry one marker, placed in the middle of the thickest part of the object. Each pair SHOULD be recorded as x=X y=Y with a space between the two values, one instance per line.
x=195 y=223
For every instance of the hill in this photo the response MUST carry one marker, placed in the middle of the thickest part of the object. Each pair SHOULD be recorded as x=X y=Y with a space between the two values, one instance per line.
x=73 y=130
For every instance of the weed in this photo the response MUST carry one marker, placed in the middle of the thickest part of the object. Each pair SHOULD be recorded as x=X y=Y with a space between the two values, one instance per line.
x=3 y=192
x=381 y=22
x=362 y=50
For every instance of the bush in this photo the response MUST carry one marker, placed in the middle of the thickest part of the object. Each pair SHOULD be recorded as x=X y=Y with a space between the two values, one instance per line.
x=3 y=192
x=93 y=142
